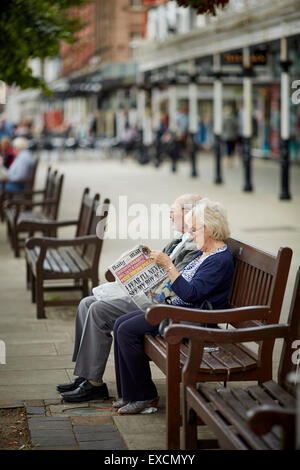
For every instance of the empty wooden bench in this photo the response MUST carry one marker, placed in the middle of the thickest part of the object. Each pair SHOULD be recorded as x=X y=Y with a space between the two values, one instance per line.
x=21 y=213
x=258 y=417
x=255 y=300
x=75 y=259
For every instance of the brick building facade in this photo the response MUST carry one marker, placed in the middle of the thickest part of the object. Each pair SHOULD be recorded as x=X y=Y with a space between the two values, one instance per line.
x=77 y=56
x=111 y=27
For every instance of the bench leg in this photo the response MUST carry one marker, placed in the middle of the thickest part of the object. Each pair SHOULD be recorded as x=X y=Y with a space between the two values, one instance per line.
x=33 y=289
x=189 y=426
x=85 y=288
x=8 y=232
x=173 y=397
x=28 y=276
x=40 y=310
x=15 y=241
x=95 y=280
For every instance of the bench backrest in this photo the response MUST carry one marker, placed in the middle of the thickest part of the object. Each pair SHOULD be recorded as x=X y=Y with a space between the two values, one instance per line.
x=260 y=277
x=97 y=227
x=290 y=354
x=53 y=189
x=86 y=213
x=29 y=183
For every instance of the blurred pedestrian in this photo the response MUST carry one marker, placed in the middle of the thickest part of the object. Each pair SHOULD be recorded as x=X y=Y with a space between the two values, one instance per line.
x=5 y=127
x=230 y=133
x=129 y=138
x=21 y=167
x=7 y=152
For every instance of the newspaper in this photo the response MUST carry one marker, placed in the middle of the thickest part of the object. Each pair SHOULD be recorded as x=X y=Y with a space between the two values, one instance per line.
x=138 y=275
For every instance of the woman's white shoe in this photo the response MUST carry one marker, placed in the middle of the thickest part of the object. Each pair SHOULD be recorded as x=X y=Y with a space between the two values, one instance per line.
x=135 y=407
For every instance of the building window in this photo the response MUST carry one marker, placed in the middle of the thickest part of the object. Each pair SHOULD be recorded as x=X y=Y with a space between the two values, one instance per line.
x=136 y=3
x=135 y=39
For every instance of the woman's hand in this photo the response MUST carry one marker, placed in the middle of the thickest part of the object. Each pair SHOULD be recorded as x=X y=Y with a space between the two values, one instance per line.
x=161 y=259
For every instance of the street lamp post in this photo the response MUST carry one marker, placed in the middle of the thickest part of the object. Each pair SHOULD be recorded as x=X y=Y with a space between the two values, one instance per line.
x=285 y=122
x=247 y=119
x=141 y=107
x=193 y=117
x=155 y=113
x=172 y=123
x=218 y=111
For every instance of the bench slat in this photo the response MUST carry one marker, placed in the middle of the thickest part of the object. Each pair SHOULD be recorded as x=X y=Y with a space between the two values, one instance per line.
x=64 y=252
x=233 y=417
x=60 y=261
x=226 y=360
x=280 y=394
x=237 y=405
x=82 y=265
x=240 y=355
x=55 y=267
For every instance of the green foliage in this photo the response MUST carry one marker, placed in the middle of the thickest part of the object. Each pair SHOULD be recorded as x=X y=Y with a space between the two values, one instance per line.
x=204 y=6
x=32 y=29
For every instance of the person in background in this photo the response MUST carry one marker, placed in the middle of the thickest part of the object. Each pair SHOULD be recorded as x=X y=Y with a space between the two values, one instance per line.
x=21 y=167
x=230 y=133
x=5 y=127
x=7 y=152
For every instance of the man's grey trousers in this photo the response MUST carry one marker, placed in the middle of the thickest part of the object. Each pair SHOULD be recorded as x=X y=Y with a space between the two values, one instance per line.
x=95 y=320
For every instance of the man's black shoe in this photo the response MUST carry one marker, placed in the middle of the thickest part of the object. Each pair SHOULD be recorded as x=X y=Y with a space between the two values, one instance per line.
x=86 y=392
x=70 y=386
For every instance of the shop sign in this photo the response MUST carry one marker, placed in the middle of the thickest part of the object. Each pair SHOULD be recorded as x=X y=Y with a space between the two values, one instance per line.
x=258 y=58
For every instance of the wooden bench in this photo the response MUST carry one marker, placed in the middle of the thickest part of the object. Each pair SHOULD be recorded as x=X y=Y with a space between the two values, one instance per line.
x=256 y=299
x=20 y=213
x=25 y=193
x=241 y=418
x=58 y=259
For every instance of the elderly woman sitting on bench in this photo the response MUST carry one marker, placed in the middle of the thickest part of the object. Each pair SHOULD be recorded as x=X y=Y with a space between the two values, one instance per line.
x=207 y=278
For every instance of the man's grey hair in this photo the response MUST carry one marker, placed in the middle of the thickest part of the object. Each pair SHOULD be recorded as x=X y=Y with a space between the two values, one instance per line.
x=188 y=201
x=20 y=143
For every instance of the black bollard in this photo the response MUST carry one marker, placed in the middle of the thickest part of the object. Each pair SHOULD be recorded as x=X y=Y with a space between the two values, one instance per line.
x=218 y=155
x=247 y=159
x=284 y=166
x=194 y=172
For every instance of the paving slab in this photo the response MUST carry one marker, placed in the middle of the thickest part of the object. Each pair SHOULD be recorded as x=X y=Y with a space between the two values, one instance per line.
x=32 y=377
x=51 y=362
x=35 y=410
x=27 y=391
x=91 y=420
x=29 y=350
x=49 y=425
x=116 y=444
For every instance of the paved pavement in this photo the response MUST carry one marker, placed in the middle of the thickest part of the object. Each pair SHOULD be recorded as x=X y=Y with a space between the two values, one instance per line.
x=39 y=351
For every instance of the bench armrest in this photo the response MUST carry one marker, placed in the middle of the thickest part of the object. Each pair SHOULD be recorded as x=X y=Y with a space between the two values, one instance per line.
x=109 y=276
x=44 y=225
x=174 y=334
x=156 y=314
x=262 y=418
x=49 y=242
x=29 y=204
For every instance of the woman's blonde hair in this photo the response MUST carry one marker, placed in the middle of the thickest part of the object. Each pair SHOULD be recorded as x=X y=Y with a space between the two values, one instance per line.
x=212 y=215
